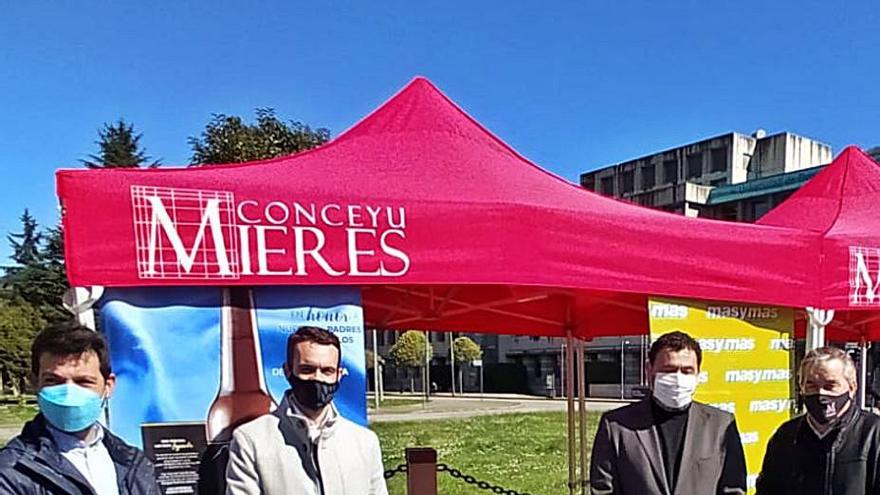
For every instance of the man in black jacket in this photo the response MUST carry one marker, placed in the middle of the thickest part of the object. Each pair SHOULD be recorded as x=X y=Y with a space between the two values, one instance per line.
x=64 y=449
x=833 y=449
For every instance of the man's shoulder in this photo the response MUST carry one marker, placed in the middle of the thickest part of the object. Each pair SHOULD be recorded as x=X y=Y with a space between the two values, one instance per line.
x=636 y=412
x=349 y=427
x=712 y=412
x=259 y=426
x=14 y=450
x=25 y=442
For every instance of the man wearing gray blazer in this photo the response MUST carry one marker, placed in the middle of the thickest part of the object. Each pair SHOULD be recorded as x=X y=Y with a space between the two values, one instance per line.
x=667 y=444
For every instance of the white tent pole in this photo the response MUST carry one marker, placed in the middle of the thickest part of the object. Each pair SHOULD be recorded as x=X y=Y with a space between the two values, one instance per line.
x=569 y=397
x=863 y=372
x=79 y=301
x=452 y=360
x=817 y=320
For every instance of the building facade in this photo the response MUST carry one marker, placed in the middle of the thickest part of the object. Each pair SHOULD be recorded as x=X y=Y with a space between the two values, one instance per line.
x=680 y=179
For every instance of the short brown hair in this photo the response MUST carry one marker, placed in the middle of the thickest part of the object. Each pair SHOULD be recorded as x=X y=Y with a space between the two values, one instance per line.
x=70 y=339
x=311 y=334
x=675 y=341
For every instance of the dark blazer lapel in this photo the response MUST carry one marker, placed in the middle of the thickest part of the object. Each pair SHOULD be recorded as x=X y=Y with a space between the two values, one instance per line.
x=690 y=452
x=650 y=441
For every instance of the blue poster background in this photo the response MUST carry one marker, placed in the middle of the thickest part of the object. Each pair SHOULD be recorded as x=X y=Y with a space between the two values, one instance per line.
x=165 y=348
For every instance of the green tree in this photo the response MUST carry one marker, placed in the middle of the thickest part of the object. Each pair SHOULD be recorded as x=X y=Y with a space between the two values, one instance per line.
x=875 y=153
x=411 y=351
x=19 y=324
x=466 y=350
x=26 y=244
x=119 y=147
x=228 y=139
x=37 y=276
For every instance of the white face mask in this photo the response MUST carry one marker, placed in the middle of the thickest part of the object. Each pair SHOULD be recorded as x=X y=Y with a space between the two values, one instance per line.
x=675 y=390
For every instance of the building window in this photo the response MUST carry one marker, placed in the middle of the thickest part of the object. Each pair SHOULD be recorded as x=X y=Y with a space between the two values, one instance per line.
x=694 y=165
x=759 y=208
x=648 y=177
x=607 y=186
x=538 y=368
x=441 y=337
x=589 y=183
x=670 y=171
x=627 y=182
x=719 y=160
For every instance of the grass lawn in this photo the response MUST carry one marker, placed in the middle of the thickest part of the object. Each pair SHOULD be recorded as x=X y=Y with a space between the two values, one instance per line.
x=15 y=414
x=523 y=452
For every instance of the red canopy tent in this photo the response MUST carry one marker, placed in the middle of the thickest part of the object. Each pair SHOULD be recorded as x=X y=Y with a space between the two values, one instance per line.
x=443 y=225
x=840 y=204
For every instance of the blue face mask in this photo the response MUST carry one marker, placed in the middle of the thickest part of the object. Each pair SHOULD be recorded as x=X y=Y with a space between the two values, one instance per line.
x=69 y=407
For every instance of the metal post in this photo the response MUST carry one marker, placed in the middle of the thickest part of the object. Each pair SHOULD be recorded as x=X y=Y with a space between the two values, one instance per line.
x=452 y=361
x=421 y=471
x=569 y=397
x=562 y=368
x=582 y=413
x=622 y=365
x=863 y=372
x=427 y=367
x=376 y=369
x=817 y=319
x=642 y=358
x=481 y=381
x=79 y=301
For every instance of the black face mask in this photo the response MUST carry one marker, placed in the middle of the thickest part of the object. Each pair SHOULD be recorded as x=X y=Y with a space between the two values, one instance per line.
x=312 y=394
x=825 y=408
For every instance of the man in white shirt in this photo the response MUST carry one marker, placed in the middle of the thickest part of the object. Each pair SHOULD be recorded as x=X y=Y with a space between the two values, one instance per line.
x=305 y=446
x=64 y=449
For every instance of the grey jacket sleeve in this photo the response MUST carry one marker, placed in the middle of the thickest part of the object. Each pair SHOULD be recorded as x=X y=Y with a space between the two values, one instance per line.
x=377 y=477
x=603 y=462
x=733 y=471
x=241 y=472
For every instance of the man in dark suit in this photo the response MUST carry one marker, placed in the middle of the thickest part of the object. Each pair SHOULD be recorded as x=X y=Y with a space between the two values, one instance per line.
x=667 y=444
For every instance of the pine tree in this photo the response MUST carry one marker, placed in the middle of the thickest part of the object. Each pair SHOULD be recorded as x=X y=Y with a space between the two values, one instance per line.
x=119 y=147
x=26 y=244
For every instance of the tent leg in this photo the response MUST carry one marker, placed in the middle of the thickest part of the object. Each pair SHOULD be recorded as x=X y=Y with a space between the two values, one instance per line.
x=817 y=319
x=376 y=368
x=569 y=397
x=863 y=373
x=582 y=413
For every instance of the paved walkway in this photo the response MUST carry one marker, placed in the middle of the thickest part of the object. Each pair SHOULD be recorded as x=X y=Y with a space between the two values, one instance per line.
x=470 y=406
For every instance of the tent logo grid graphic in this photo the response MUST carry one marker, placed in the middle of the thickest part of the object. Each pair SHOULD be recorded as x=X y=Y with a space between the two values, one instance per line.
x=864 y=276
x=185 y=234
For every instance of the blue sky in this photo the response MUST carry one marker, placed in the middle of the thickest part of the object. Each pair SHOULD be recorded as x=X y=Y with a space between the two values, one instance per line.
x=571 y=85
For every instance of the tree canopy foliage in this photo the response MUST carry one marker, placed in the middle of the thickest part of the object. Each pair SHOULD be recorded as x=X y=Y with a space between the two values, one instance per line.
x=228 y=139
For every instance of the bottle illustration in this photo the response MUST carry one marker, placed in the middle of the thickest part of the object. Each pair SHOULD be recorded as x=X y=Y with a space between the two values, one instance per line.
x=243 y=395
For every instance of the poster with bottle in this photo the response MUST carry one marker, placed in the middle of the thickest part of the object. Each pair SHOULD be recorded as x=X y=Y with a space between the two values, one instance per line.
x=215 y=355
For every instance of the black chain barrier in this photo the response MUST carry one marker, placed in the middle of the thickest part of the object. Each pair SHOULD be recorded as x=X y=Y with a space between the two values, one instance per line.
x=391 y=472
x=470 y=480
